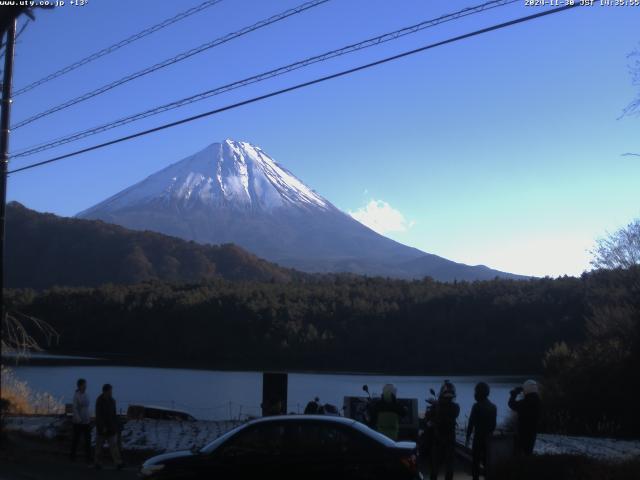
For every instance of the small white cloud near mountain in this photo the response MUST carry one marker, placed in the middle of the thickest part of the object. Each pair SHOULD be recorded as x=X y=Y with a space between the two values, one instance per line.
x=381 y=217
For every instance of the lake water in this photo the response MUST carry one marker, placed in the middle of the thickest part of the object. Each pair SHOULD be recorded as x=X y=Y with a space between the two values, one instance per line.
x=217 y=395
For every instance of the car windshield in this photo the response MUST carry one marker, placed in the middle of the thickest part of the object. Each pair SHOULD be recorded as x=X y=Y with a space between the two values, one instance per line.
x=211 y=447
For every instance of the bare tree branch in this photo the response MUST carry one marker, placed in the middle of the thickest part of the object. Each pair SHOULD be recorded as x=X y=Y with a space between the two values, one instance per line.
x=620 y=249
x=634 y=70
x=19 y=334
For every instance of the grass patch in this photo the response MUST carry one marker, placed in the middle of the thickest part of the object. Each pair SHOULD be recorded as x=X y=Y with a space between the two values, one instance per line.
x=18 y=398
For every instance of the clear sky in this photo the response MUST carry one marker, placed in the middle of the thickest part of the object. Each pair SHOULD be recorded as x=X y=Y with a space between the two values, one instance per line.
x=504 y=149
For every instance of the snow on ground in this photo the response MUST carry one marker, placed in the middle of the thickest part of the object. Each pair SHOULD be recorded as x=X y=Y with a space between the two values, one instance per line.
x=40 y=425
x=169 y=435
x=598 y=448
x=147 y=434
x=601 y=448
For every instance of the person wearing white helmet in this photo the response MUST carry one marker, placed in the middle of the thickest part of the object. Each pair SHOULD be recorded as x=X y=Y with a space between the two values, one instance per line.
x=530 y=386
x=387 y=412
x=528 y=410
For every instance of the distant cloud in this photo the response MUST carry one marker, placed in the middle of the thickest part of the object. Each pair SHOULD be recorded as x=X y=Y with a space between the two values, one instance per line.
x=381 y=217
x=631 y=154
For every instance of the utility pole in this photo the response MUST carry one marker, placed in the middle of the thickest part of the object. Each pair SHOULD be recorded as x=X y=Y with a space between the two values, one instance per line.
x=4 y=150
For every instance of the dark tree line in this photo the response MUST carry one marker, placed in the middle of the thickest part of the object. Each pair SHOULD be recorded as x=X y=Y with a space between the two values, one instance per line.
x=581 y=334
x=333 y=323
x=593 y=386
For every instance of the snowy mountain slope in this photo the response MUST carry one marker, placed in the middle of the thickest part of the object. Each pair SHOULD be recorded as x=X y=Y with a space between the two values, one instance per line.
x=233 y=192
x=230 y=174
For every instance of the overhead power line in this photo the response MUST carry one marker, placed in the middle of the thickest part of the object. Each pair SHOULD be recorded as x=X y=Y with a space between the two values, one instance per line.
x=170 y=61
x=300 y=86
x=116 y=46
x=264 y=76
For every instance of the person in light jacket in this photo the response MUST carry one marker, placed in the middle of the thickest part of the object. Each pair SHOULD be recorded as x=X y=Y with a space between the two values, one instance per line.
x=81 y=420
x=107 y=426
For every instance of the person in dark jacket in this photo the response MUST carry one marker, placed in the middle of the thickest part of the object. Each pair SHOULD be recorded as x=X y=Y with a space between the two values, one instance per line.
x=107 y=427
x=387 y=412
x=445 y=415
x=81 y=420
x=482 y=423
x=528 y=410
x=312 y=407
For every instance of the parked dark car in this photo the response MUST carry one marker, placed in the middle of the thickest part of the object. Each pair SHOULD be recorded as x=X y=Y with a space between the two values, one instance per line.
x=294 y=446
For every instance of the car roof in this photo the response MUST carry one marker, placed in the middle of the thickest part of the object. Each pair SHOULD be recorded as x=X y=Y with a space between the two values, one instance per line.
x=298 y=418
x=303 y=418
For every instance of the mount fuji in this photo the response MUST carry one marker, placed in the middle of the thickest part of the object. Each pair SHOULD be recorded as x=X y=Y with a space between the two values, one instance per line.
x=233 y=192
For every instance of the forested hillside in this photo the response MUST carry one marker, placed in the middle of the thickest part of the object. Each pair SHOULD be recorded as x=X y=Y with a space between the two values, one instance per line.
x=44 y=250
x=581 y=335
x=338 y=323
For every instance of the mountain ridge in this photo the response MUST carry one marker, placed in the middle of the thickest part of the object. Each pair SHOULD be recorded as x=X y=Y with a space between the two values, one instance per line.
x=45 y=250
x=233 y=192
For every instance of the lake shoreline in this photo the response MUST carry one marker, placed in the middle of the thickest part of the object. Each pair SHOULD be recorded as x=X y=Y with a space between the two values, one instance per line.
x=105 y=359
x=224 y=394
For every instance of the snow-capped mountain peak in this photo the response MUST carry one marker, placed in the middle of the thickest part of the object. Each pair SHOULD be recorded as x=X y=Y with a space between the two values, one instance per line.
x=232 y=174
x=233 y=192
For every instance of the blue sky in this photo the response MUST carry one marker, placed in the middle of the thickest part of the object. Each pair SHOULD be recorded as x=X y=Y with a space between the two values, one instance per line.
x=504 y=149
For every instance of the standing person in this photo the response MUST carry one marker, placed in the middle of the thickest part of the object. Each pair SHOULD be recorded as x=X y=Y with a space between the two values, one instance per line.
x=107 y=426
x=312 y=407
x=528 y=410
x=426 y=440
x=482 y=423
x=81 y=420
x=387 y=412
x=445 y=416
